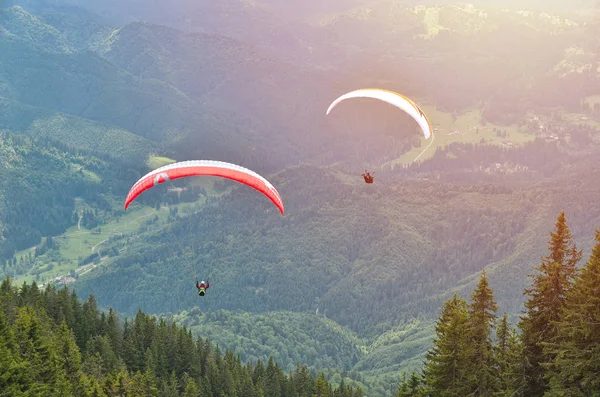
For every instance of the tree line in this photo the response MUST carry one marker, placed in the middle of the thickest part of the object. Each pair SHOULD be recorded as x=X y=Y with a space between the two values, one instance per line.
x=51 y=344
x=553 y=351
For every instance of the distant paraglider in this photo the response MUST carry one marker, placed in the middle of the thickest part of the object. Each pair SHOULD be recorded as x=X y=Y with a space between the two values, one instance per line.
x=395 y=99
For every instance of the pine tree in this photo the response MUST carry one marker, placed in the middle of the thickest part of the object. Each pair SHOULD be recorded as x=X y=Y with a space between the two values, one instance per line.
x=322 y=387
x=545 y=301
x=482 y=317
x=94 y=389
x=303 y=380
x=13 y=371
x=185 y=353
x=170 y=387
x=65 y=308
x=510 y=361
x=446 y=362
x=78 y=325
x=128 y=352
x=272 y=379
x=8 y=300
x=501 y=351
x=411 y=387
x=259 y=374
x=117 y=382
x=246 y=388
x=190 y=387
x=93 y=365
x=90 y=317
x=34 y=344
x=143 y=385
x=577 y=347
x=114 y=331
x=69 y=357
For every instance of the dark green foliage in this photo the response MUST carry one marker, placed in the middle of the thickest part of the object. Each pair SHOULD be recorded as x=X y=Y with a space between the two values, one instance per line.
x=446 y=363
x=556 y=357
x=288 y=337
x=53 y=345
x=511 y=363
x=576 y=347
x=545 y=301
x=412 y=387
x=481 y=366
x=13 y=377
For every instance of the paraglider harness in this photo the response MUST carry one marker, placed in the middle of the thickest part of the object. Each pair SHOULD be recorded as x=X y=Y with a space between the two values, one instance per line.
x=202 y=287
x=369 y=178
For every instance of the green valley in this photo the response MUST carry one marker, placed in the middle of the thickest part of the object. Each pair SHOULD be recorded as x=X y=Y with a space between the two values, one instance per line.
x=351 y=281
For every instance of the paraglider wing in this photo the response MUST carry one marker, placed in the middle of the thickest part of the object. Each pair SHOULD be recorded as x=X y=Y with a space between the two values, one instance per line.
x=205 y=168
x=393 y=98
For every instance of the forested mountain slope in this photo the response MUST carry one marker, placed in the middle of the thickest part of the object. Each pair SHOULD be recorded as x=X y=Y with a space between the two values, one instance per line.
x=365 y=255
x=52 y=344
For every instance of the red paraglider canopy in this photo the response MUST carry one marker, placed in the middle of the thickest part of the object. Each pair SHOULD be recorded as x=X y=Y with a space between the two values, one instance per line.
x=205 y=168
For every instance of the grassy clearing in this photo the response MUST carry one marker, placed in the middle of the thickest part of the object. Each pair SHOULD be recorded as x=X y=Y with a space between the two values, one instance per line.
x=155 y=162
x=77 y=243
x=592 y=100
x=580 y=118
x=467 y=127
